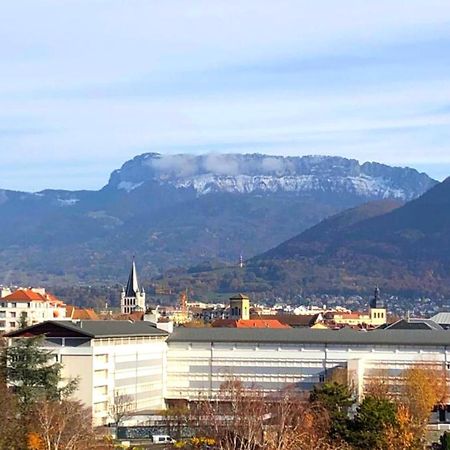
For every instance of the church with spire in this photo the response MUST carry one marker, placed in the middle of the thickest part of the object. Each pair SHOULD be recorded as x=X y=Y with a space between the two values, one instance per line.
x=133 y=297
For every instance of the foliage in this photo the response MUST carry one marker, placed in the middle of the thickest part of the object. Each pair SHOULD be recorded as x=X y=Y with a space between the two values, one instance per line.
x=336 y=399
x=423 y=387
x=33 y=372
x=400 y=436
x=372 y=419
x=445 y=441
x=12 y=434
x=61 y=424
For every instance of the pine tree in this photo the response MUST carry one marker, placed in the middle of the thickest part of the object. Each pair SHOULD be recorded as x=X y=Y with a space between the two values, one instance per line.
x=33 y=372
x=336 y=399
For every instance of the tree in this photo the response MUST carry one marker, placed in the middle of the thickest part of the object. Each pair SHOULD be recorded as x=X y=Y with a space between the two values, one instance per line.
x=423 y=387
x=12 y=430
x=33 y=372
x=23 y=322
x=120 y=407
x=234 y=419
x=336 y=399
x=177 y=419
x=372 y=419
x=60 y=425
x=400 y=436
x=296 y=424
x=445 y=441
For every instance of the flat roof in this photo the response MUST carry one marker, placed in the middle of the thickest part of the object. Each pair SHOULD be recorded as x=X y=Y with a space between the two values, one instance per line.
x=311 y=336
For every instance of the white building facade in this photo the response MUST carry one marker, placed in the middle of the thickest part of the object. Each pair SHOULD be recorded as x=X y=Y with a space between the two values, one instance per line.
x=201 y=360
x=111 y=359
x=138 y=360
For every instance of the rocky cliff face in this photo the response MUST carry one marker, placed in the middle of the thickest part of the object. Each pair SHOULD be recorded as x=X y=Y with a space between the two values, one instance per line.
x=246 y=174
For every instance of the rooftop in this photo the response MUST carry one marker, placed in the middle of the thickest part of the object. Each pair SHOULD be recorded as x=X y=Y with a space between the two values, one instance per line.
x=92 y=328
x=312 y=336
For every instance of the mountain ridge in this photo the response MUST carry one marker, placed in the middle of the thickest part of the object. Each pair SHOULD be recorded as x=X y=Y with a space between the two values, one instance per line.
x=152 y=212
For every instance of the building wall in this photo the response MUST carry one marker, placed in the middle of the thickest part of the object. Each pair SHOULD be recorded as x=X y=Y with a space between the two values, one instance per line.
x=199 y=369
x=79 y=366
x=129 y=366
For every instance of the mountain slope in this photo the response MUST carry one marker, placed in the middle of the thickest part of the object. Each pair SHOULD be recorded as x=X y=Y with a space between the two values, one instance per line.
x=406 y=249
x=182 y=210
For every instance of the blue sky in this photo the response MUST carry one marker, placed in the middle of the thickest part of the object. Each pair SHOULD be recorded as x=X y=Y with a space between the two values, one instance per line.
x=86 y=85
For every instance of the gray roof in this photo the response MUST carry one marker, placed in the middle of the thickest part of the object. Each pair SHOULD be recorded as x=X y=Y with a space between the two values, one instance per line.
x=414 y=324
x=311 y=336
x=98 y=328
x=442 y=318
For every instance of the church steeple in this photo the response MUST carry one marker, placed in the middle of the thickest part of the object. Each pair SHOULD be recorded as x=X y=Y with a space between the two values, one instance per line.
x=377 y=309
x=377 y=302
x=132 y=298
x=133 y=285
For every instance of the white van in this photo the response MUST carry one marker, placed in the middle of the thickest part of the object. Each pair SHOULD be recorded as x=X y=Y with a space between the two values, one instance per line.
x=162 y=439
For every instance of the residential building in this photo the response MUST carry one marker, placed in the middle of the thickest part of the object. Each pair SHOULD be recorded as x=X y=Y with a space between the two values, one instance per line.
x=29 y=306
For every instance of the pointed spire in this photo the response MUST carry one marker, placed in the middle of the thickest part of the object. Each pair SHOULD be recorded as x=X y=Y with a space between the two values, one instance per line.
x=376 y=302
x=132 y=286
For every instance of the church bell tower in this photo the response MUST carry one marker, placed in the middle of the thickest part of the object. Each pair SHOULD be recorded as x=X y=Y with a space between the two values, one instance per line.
x=132 y=297
x=377 y=309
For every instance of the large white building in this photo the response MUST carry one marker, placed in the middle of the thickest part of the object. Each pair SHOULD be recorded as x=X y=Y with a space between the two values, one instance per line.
x=201 y=360
x=112 y=359
x=193 y=363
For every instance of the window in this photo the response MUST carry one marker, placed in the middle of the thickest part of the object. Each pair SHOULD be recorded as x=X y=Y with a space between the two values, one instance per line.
x=12 y=324
x=13 y=314
x=2 y=314
x=101 y=359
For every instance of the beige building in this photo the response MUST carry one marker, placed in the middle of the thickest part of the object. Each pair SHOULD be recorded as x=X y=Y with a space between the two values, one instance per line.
x=239 y=307
x=29 y=306
x=374 y=317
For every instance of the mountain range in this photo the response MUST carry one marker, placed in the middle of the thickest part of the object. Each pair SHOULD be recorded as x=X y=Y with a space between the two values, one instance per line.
x=184 y=210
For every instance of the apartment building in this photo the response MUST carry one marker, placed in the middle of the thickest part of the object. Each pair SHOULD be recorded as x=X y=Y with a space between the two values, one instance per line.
x=28 y=306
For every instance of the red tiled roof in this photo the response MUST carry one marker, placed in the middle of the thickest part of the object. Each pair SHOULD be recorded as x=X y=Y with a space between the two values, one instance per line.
x=24 y=295
x=81 y=313
x=293 y=320
x=28 y=295
x=251 y=323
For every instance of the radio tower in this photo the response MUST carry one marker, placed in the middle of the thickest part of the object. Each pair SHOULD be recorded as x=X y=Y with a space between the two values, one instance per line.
x=241 y=261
